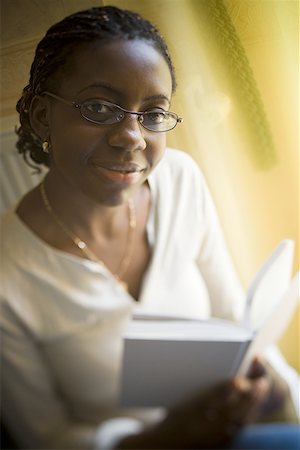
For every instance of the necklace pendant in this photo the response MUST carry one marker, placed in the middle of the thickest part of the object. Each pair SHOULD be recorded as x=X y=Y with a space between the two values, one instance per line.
x=81 y=244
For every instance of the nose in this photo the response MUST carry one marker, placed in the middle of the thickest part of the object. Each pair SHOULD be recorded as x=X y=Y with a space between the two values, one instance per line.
x=127 y=134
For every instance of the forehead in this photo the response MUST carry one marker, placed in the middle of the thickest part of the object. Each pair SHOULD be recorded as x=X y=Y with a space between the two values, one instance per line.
x=133 y=66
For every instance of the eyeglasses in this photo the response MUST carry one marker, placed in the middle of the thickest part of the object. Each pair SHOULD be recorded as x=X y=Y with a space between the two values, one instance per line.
x=106 y=113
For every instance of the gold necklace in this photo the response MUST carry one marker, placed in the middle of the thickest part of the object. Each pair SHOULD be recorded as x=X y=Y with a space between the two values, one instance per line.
x=123 y=266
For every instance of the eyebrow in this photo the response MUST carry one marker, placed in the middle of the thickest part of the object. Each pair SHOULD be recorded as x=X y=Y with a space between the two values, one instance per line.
x=115 y=91
x=158 y=97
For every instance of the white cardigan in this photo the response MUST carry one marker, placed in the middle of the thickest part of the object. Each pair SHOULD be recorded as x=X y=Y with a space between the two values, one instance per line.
x=62 y=317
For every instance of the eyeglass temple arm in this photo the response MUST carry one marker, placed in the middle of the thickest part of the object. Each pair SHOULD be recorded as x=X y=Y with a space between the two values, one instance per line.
x=67 y=102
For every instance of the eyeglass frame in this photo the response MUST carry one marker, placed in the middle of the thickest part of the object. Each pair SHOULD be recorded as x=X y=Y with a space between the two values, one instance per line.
x=139 y=114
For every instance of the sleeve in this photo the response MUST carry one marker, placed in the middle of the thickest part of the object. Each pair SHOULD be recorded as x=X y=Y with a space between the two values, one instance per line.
x=226 y=294
x=32 y=409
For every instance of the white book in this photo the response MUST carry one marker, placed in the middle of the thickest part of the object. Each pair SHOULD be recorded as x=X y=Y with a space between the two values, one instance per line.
x=167 y=359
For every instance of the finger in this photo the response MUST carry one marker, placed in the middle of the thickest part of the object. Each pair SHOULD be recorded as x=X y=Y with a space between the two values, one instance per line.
x=245 y=399
x=257 y=368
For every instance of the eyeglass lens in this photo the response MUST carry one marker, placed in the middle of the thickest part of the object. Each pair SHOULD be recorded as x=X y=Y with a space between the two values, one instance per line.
x=107 y=113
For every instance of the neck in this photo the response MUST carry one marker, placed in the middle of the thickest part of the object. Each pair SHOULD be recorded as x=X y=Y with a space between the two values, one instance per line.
x=90 y=251
x=82 y=213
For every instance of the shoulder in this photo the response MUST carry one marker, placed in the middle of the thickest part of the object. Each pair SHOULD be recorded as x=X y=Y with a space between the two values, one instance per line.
x=16 y=242
x=179 y=171
x=7 y=223
x=11 y=235
x=11 y=252
x=177 y=164
x=178 y=159
x=179 y=188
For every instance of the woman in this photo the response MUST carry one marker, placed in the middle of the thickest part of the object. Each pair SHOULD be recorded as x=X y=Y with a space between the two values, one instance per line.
x=103 y=235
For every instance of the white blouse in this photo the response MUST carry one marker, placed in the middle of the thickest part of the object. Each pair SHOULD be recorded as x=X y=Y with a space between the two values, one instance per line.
x=62 y=316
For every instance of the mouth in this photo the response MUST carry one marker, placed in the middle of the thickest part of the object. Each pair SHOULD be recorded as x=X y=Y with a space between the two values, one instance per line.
x=127 y=173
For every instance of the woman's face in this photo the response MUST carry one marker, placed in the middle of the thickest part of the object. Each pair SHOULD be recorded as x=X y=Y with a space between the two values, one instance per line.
x=89 y=158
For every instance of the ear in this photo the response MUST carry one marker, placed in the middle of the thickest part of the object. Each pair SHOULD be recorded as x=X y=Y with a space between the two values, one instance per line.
x=39 y=115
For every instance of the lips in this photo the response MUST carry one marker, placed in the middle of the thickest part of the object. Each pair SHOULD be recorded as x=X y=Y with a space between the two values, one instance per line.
x=125 y=172
x=119 y=167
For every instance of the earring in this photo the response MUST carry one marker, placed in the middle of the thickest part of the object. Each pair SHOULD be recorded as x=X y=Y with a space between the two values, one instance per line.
x=46 y=147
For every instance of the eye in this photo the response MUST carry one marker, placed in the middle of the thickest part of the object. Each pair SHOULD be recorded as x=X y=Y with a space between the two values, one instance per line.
x=97 y=107
x=156 y=117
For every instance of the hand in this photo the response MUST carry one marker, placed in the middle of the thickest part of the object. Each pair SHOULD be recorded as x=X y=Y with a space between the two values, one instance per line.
x=278 y=390
x=208 y=421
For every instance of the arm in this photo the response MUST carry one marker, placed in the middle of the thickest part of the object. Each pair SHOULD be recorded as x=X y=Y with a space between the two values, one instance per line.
x=37 y=417
x=208 y=421
x=225 y=291
x=213 y=420
x=33 y=410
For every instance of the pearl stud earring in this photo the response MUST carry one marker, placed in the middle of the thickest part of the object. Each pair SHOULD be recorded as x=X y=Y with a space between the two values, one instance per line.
x=46 y=147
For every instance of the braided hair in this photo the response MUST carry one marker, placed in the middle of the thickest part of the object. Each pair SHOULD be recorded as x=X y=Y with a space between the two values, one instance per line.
x=106 y=23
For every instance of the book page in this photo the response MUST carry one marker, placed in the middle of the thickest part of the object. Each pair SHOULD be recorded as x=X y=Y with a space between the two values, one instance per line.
x=275 y=324
x=195 y=330
x=270 y=282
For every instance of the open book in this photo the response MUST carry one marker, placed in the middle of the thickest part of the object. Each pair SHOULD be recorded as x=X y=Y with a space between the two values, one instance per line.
x=166 y=359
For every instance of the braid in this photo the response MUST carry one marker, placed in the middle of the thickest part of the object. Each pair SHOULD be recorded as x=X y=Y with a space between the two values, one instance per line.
x=99 y=23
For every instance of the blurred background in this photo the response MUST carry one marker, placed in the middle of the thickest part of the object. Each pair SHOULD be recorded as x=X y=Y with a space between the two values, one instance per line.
x=237 y=65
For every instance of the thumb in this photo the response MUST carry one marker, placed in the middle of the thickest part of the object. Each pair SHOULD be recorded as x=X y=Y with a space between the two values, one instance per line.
x=257 y=368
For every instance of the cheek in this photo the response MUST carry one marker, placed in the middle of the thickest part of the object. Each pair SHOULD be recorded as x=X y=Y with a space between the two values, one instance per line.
x=157 y=146
x=78 y=141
